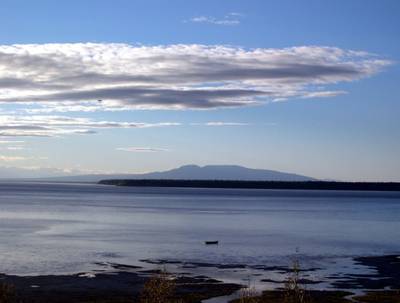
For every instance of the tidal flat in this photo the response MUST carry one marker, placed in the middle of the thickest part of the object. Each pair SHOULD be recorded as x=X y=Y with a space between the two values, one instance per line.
x=125 y=283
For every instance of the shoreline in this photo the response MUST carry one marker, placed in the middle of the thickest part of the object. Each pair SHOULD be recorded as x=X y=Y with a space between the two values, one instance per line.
x=123 y=283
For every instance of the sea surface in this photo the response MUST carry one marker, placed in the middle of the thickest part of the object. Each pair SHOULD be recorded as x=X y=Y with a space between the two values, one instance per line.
x=54 y=228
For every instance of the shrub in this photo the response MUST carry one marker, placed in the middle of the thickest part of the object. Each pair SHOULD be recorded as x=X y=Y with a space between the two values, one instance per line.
x=249 y=295
x=159 y=289
x=294 y=291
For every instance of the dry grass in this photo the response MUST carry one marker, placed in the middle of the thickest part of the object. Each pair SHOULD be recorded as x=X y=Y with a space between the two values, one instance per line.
x=295 y=292
x=249 y=295
x=7 y=293
x=159 y=289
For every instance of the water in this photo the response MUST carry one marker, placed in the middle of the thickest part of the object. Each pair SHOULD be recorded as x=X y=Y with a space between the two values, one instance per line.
x=64 y=228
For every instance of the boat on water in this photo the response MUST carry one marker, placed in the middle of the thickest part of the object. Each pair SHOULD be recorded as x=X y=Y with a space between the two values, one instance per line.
x=211 y=242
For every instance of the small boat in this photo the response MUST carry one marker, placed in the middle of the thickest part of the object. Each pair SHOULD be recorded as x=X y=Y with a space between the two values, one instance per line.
x=211 y=242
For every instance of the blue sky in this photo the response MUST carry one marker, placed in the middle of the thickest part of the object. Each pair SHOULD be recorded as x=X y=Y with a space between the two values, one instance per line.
x=321 y=110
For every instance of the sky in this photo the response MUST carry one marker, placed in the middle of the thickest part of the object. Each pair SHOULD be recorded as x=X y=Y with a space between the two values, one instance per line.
x=309 y=87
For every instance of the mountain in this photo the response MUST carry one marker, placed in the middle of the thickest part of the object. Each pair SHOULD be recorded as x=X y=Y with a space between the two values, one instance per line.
x=194 y=172
x=223 y=172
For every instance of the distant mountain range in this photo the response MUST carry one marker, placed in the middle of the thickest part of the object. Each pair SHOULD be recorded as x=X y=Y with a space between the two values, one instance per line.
x=222 y=172
x=187 y=172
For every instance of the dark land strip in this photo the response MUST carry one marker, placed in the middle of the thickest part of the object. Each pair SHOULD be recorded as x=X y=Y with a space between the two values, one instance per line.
x=299 y=185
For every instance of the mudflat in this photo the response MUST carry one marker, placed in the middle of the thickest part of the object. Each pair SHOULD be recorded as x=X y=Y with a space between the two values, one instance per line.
x=124 y=283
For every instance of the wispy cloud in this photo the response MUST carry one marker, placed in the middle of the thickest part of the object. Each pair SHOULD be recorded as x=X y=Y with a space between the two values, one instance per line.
x=50 y=126
x=220 y=123
x=55 y=126
x=216 y=123
x=11 y=142
x=15 y=148
x=11 y=158
x=323 y=94
x=142 y=149
x=229 y=19
x=90 y=77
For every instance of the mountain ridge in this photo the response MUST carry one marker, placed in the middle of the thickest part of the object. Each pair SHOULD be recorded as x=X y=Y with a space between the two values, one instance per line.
x=194 y=172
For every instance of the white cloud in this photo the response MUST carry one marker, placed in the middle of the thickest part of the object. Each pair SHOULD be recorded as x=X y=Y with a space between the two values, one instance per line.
x=216 y=123
x=90 y=76
x=227 y=20
x=50 y=126
x=323 y=94
x=220 y=123
x=142 y=149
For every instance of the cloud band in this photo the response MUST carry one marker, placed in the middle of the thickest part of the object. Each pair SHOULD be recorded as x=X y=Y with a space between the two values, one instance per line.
x=125 y=77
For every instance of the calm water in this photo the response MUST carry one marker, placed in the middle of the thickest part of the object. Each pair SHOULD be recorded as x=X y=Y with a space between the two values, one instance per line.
x=60 y=228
